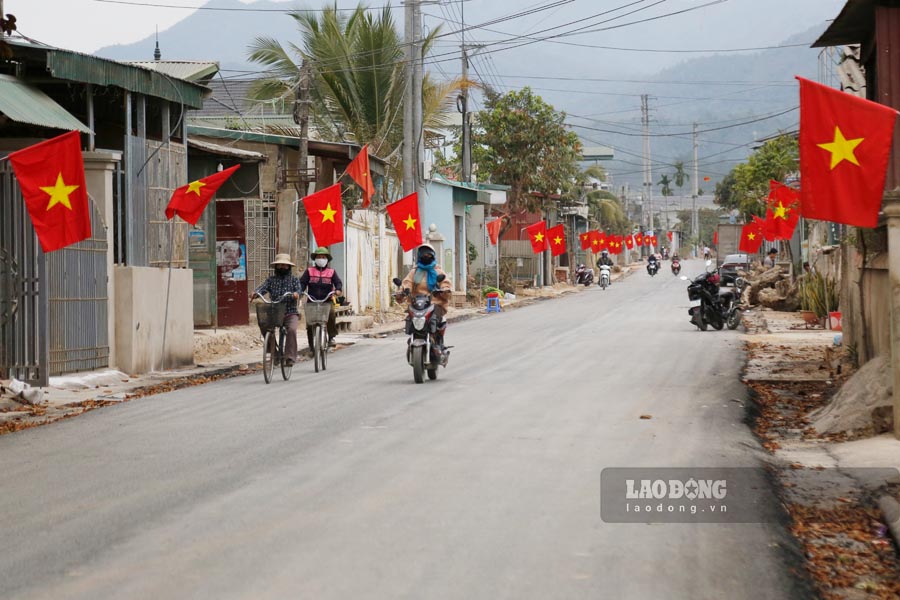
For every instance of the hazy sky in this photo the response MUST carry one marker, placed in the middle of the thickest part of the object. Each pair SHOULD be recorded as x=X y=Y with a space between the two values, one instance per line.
x=87 y=25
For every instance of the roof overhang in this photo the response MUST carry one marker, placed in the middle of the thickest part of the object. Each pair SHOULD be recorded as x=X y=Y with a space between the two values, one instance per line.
x=23 y=103
x=854 y=24
x=228 y=151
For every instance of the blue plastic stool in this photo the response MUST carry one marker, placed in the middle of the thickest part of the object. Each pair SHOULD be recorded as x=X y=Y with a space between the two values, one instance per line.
x=493 y=305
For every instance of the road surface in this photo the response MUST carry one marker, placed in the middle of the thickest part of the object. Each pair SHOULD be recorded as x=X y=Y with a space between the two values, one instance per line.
x=357 y=483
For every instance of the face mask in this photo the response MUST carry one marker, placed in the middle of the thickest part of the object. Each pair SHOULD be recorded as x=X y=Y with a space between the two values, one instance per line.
x=426 y=259
x=321 y=262
x=282 y=271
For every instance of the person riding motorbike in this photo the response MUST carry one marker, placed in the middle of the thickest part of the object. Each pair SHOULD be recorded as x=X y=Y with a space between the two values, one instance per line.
x=604 y=258
x=652 y=260
x=321 y=280
x=423 y=280
x=277 y=285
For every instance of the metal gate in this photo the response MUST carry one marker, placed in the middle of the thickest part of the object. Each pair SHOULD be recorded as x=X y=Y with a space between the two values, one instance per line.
x=259 y=216
x=79 y=307
x=23 y=301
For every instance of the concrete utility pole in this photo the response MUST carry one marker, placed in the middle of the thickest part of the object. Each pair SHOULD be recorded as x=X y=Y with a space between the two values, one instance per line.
x=418 y=116
x=409 y=138
x=648 y=172
x=465 y=155
x=695 y=220
x=301 y=117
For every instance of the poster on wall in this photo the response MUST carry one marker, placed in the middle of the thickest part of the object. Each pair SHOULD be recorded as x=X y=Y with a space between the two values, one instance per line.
x=231 y=258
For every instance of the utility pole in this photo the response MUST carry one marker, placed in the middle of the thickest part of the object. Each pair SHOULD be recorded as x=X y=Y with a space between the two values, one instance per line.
x=418 y=116
x=301 y=184
x=409 y=128
x=695 y=220
x=648 y=173
x=465 y=155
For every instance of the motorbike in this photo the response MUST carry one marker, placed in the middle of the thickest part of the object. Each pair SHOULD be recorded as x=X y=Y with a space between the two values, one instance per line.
x=584 y=276
x=676 y=266
x=424 y=351
x=665 y=254
x=604 y=276
x=653 y=268
x=711 y=305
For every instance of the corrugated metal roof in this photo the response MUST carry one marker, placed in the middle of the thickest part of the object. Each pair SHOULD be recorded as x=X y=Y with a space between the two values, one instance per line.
x=26 y=104
x=189 y=70
x=225 y=150
x=85 y=68
x=855 y=22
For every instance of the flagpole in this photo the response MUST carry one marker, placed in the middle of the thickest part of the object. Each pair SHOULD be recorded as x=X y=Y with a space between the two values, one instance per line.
x=168 y=289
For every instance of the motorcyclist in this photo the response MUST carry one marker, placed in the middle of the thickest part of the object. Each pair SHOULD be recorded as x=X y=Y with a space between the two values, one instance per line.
x=278 y=284
x=604 y=258
x=652 y=260
x=321 y=280
x=423 y=280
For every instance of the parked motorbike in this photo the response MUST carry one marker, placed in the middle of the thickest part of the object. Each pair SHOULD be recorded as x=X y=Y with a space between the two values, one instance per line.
x=584 y=276
x=604 y=276
x=653 y=268
x=676 y=266
x=711 y=305
x=424 y=351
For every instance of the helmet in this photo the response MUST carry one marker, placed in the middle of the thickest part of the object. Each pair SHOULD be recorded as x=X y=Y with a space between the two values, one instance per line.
x=424 y=250
x=714 y=277
x=604 y=252
x=581 y=265
x=321 y=251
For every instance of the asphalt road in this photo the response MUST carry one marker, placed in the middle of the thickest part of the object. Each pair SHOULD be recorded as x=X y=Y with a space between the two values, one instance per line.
x=357 y=483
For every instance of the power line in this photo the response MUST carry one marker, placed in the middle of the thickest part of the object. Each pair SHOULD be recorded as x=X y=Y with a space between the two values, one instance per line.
x=772 y=116
x=260 y=10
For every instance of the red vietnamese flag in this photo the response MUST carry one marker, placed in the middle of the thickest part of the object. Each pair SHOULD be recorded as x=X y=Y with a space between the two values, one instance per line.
x=404 y=214
x=715 y=238
x=537 y=233
x=51 y=177
x=493 y=229
x=598 y=241
x=639 y=240
x=654 y=241
x=326 y=215
x=751 y=238
x=648 y=240
x=669 y=234
x=358 y=170
x=189 y=201
x=556 y=238
x=845 y=143
x=629 y=242
x=585 y=240
x=784 y=206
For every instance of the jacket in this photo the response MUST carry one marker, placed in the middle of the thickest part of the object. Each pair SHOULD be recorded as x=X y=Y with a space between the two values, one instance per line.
x=320 y=282
x=419 y=285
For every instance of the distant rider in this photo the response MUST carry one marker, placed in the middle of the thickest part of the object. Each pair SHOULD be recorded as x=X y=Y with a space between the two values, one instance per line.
x=653 y=261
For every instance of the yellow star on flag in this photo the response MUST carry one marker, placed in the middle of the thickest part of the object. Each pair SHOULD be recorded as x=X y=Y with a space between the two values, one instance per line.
x=410 y=222
x=328 y=213
x=841 y=148
x=194 y=187
x=781 y=212
x=596 y=242
x=59 y=193
x=539 y=237
x=557 y=240
x=751 y=236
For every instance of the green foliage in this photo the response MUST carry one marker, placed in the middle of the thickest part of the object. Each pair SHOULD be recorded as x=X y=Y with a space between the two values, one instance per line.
x=521 y=141
x=680 y=174
x=709 y=221
x=666 y=184
x=489 y=289
x=472 y=253
x=746 y=187
x=818 y=294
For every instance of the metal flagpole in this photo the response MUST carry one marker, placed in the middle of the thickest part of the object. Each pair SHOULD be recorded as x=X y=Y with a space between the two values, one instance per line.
x=168 y=289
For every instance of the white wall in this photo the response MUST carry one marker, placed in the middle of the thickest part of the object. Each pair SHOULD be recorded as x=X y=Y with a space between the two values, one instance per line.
x=140 y=309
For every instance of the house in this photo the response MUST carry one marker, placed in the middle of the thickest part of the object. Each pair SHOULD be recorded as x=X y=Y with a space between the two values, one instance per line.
x=870 y=277
x=109 y=301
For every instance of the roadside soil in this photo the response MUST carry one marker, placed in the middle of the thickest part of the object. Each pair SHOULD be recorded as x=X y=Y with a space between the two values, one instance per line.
x=847 y=546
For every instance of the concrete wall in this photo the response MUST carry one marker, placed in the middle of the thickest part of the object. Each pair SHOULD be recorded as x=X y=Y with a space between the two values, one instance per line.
x=865 y=299
x=140 y=310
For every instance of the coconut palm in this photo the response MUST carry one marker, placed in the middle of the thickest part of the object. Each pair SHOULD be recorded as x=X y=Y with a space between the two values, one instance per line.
x=681 y=175
x=666 y=185
x=359 y=75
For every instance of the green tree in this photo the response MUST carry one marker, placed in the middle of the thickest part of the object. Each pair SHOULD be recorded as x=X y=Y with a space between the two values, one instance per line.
x=521 y=141
x=666 y=184
x=681 y=175
x=359 y=75
x=709 y=221
x=747 y=185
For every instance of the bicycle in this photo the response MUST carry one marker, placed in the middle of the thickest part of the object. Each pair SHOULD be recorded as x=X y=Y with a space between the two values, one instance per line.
x=270 y=316
x=316 y=313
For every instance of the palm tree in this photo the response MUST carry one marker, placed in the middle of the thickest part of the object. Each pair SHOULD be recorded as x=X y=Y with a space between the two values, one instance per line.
x=359 y=76
x=666 y=184
x=680 y=174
